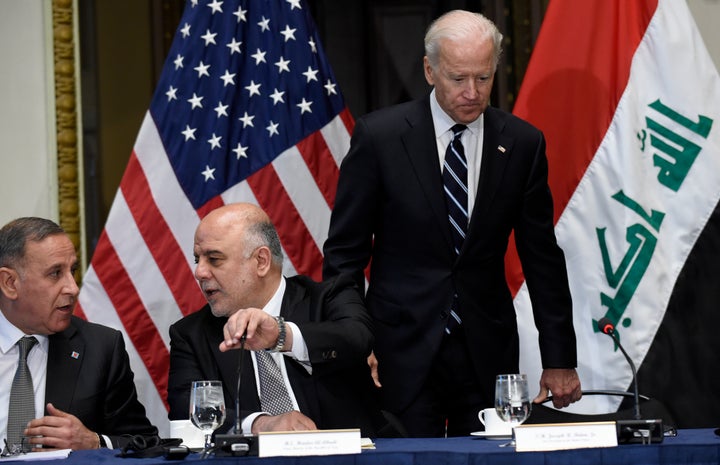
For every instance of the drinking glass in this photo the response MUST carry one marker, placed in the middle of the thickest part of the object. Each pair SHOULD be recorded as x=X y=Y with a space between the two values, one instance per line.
x=207 y=408
x=512 y=400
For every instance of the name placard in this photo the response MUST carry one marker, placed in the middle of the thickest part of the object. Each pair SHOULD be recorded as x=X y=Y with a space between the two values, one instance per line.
x=317 y=442
x=561 y=436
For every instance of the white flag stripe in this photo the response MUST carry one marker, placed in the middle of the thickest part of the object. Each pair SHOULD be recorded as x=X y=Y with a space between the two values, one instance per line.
x=241 y=192
x=337 y=138
x=146 y=277
x=169 y=197
x=670 y=66
x=304 y=193
x=95 y=303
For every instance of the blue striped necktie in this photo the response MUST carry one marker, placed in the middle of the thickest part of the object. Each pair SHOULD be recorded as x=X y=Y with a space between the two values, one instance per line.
x=455 y=173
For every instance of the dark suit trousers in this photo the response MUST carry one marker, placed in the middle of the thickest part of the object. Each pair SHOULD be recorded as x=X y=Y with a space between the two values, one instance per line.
x=450 y=399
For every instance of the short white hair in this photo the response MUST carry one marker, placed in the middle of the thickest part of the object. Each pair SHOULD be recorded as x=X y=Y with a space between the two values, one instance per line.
x=457 y=25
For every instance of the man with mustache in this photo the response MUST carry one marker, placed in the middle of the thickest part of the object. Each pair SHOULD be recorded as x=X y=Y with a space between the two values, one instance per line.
x=80 y=376
x=318 y=334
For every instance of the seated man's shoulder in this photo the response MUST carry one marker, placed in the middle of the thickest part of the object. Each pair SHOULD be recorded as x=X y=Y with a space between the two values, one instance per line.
x=88 y=327
x=200 y=317
x=329 y=286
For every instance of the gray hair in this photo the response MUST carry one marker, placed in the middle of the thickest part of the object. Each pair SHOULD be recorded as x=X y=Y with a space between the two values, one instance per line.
x=457 y=25
x=17 y=233
x=263 y=233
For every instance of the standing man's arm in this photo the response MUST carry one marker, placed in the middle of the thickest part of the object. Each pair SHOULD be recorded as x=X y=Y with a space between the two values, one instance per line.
x=545 y=272
x=341 y=332
x=349 y=243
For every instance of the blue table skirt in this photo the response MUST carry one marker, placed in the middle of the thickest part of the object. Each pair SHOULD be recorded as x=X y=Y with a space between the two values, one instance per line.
x=692 y=446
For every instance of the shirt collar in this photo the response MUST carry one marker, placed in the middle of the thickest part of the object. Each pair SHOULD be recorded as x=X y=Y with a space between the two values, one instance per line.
x=273 y=306
x=10 y=334
x=443 y=123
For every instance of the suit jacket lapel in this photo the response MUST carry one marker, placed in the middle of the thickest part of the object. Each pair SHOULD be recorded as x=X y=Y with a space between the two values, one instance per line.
x=227 y=362
x=421 y=148
x=65 y=357
x=496 y=150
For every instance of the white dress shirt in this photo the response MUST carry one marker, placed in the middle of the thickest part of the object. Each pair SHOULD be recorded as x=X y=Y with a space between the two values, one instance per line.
x=299 y=352
x=9 y=357
x=472 y=140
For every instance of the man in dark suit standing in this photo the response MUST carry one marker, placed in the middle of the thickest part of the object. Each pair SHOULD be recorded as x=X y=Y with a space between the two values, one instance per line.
x=81 y=393
x=319 y=335
x=429 y=194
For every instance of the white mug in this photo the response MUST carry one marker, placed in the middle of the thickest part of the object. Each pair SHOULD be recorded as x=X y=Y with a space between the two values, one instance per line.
x=494 y=425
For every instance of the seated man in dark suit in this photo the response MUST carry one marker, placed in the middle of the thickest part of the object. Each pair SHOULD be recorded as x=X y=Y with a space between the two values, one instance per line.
x=74 y=384
x=318 y=334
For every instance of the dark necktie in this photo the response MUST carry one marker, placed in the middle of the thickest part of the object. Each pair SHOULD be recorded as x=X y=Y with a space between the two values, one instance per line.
x=21 y=408
x=455 y=173
x=274 y=397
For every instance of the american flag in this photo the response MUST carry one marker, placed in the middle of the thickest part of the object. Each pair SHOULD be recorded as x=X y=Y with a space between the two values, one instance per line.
x=246 y=109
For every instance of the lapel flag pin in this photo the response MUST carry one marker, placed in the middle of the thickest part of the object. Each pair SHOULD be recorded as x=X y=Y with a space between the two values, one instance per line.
x=501 y=148
x=75 y=355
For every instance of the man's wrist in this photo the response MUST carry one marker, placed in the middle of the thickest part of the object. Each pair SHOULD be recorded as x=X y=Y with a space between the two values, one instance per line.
x=282 y=332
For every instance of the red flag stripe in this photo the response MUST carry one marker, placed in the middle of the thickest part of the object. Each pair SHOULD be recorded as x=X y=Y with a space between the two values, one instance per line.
x=321 y=164
x=132 y=312
x=337 y=137
x=79 y=312
x=166 y=252
x=571 y=94
x=294 y=235
x=211 y=205
x=347 y=120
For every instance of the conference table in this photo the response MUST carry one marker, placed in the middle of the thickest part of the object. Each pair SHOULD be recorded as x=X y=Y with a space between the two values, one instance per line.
x=690 y=446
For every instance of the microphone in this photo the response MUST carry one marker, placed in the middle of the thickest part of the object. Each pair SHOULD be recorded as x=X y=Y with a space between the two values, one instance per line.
x=608 y=328
x=637 y=430
x=238 y=421
x=236 y=444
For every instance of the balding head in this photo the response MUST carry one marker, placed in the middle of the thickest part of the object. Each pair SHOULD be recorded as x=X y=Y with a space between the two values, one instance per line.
x=238 y=256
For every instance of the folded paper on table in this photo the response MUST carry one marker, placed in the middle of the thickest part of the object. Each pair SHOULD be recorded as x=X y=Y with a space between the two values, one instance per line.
x=38 y=456
x=315 y=442
x=562 y=436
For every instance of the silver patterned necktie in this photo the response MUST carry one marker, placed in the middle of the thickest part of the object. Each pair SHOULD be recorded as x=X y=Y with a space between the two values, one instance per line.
x=274 y=397
x=21 y=408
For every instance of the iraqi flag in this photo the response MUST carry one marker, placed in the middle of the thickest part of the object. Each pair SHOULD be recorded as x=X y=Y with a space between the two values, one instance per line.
x=629 y=101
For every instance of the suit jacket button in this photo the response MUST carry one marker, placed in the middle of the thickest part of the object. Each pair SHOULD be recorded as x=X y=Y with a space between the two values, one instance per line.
x=443 y=315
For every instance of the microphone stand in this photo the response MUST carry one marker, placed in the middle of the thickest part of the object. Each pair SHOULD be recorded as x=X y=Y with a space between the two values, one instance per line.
x=611 y=332
x=236 y=444
x=637 y=430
